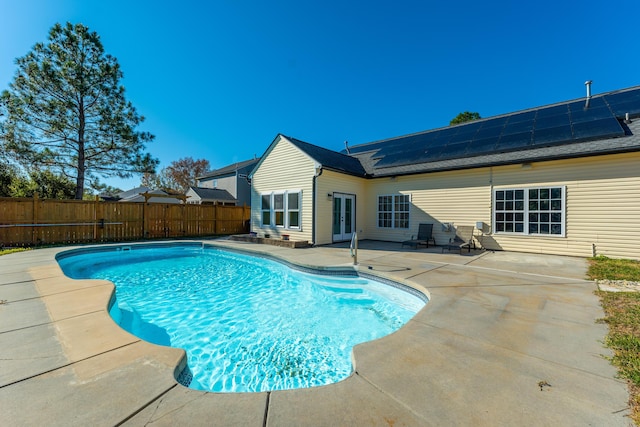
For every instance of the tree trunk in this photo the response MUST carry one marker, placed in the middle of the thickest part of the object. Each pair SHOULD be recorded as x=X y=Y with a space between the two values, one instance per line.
x=81 y=160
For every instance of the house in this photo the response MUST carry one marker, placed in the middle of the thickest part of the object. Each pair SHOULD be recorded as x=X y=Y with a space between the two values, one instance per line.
x=559 y=179
x=211 y=196
x=136 y=195
x=232 y=178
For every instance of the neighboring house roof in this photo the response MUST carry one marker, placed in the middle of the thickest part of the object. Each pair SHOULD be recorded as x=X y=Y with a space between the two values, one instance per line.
x=133 y=195
x=568 y=129
x=133 y=192
x=248 y=164
x=212 y=194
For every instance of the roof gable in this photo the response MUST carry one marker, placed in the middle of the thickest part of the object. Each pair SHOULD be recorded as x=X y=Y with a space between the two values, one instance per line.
x=324 y=157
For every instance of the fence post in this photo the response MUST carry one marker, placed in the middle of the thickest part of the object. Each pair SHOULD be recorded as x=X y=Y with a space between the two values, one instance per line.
x=34 y=230
x=145 y=220
x=95 y=218
x=216 y=223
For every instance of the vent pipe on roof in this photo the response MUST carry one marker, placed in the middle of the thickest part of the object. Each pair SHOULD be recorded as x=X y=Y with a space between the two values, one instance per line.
x=346 y=146
x=627 y=120
x=588 y=85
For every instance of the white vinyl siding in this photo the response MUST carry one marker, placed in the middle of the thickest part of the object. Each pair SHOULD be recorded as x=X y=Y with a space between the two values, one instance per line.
x=461 y=198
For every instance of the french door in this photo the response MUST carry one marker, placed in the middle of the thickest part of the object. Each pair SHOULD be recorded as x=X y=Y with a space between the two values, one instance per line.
x=344 y=216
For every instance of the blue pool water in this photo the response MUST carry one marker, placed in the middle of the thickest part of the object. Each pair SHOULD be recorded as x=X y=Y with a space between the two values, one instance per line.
x=247 y=324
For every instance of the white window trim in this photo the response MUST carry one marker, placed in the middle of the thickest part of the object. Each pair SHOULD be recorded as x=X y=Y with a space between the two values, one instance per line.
x=562 y=211
x=284 y=210
x=393 y=212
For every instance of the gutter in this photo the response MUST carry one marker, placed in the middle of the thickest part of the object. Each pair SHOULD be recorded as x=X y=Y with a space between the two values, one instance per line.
x=313 y=204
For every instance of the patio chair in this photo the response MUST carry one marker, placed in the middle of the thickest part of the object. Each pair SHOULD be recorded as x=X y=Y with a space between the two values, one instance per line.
x=425 y=235
x=463 y=239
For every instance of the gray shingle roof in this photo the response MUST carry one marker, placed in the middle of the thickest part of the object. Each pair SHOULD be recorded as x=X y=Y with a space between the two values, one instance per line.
x=245 y=164
x=133 y=192
x=330 y=159
x=213 y=194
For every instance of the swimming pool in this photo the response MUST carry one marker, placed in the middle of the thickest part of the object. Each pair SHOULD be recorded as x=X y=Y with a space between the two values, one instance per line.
x=247 y=323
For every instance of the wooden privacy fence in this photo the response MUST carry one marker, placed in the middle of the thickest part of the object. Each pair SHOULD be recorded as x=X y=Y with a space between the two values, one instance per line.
x=34 y=222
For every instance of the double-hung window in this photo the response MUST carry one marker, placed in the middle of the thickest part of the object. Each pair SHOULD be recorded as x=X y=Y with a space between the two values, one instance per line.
x=530 y=211
x=293 y=210
x=393 y=211
x=266 y=209
x=281 y=209
x=278 y=209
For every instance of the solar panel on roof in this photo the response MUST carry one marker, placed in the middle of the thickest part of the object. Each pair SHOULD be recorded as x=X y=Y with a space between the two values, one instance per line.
x=451 y=151
x=517 y=127
x=545 y=122
x=481 y=146
x=552 y=111
x=597 y=129
x=522 y=117
x=551 y=136
x=513 y=141
x=490 y=131
x=558 y=124
x=579 y=115
x=461 y=137
x=439 y=142
x=409 y=158
x=624 y=102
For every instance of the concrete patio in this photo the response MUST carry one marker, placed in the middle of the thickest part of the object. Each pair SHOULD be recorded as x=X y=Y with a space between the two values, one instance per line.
x=496 y=327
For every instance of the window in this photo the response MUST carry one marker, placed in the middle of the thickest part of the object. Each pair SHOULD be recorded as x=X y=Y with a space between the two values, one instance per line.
x=278 y=209
x=532 y=211
x=281 y=209
x=266 y=209
x=393 y=211
x=293 y=209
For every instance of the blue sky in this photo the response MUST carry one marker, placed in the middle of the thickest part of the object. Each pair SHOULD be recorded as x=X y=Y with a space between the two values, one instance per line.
x=220 y=79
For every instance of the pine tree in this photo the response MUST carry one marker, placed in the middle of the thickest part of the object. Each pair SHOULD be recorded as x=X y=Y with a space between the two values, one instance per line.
x=66 y=111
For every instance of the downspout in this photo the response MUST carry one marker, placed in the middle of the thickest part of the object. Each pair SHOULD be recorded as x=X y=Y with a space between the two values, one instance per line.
x=313 y=205
x=493 y=219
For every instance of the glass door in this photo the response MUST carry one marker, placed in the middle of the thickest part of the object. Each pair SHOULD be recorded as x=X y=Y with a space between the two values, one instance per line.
x=343 y=216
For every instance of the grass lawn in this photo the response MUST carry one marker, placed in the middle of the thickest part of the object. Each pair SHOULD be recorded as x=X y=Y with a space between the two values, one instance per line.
x=12 y=250
x=622 y=314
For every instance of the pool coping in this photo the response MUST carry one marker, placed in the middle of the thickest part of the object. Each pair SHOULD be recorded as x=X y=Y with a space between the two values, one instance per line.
x=455 y=363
